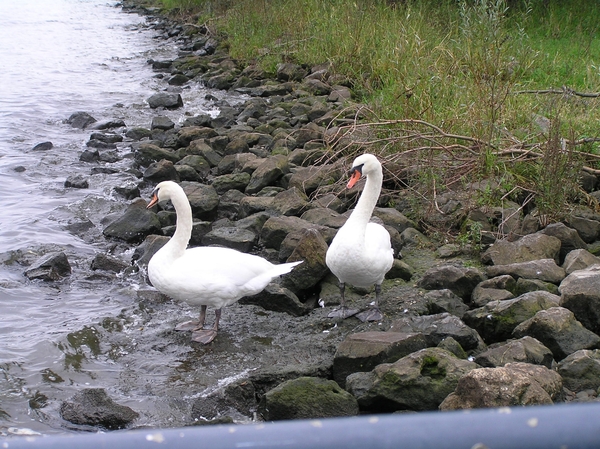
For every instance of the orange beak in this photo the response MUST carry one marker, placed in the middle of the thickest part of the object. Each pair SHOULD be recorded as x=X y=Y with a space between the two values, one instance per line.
x=153 y=200
x=355 y=176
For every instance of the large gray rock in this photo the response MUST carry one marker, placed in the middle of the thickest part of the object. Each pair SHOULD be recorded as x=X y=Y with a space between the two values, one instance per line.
x=198 y=163
x=291 y=201
x=165 y=100
x=93 y=407
x=185 y=136
x=569 y=238
x=581 y=370
x=529 y=247
x=162 y=170
x=234 y=163
x=325 y=217
x=231 y=237
x=444 y=301
x=365 y=350
x=579 y=259
x=287 y=71
x=203 y=199
x=276 y=229
x=420 y=381
x=438 y=327
x=147 y=153
x=311 y=249
x=559 y=331
x=251 y=205
x=135 y=224
x=279 y=299
x=497 y=319
x=80 y=120
x=588 y=227
x=580 y=293
x=307 y=398
x=512 y=385
x=232 y=181
x=51 y=267
x=267 y=173
x=394 y=218
x=526 y=349
x=543 y=269
x=311 y=133
x=108 y=263
x=309 y=179
x=461 y=280
x=144 y=252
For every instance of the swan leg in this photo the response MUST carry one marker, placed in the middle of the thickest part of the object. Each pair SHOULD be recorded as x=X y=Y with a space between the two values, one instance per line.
x=372 y=313
x=193 y=325
x=205 y=336
x=343 y=312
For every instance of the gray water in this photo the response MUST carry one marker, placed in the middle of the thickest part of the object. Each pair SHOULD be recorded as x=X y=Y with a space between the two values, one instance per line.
x=58 y=57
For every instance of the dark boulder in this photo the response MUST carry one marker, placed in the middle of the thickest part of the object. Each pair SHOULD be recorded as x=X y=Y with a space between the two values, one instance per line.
x=165 y=100
x=135 y=224
x=307 y=398
x=461 y=280
x=93 y=407
x=80 y=120
x=43 y=146
x=50 y=267
x=559 y=331
x=515 y=384
x=420 y=381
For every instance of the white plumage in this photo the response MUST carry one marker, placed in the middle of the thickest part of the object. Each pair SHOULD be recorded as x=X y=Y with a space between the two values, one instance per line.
x=204 y=276
x=361 y=252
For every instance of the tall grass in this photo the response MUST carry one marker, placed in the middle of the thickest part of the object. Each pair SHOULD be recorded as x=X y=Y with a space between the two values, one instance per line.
x=487 y=69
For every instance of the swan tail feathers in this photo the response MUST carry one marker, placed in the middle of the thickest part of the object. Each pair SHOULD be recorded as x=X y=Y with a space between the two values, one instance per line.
x=258 y=283
x=285 y=267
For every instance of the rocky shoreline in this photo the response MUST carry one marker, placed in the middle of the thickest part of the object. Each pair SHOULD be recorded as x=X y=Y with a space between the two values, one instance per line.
x=518 y=326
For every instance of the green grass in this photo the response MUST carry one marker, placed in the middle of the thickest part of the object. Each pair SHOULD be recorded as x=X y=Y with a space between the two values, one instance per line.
x=452 y=63
x=468 y=67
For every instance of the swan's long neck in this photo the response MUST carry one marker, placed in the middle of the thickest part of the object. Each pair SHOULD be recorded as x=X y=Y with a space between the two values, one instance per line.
x=368 y=199
x=178 y=243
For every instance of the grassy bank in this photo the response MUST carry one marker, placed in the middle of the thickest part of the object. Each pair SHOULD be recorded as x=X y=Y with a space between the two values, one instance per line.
x=516 y=79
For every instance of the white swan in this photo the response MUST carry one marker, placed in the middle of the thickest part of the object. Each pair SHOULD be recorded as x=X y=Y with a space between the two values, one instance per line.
x=204 y=276
x=361 y=252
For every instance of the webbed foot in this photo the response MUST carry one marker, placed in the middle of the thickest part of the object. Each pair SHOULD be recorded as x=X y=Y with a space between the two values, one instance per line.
x=188 y=326
x=204 y=336
x=343 y=313
x=371 y=314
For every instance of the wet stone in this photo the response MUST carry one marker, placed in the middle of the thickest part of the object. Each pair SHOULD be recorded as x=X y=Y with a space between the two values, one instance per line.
x=134 y=225
x=93 y=407
x=108 y=263
x=165 y=100
x=80 y=120
x=77 y=182
x=162 y=122
x=43 y=146
x=307 y=398
x=365 y=350
x=50 y=267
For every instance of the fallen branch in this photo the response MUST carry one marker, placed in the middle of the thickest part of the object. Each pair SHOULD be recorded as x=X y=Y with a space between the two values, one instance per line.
x=564 y=91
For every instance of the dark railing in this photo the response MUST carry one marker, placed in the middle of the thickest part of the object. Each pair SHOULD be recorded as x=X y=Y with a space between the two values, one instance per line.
x=569 y=426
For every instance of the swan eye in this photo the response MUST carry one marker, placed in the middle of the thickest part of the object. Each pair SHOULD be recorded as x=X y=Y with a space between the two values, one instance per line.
x=358 y=168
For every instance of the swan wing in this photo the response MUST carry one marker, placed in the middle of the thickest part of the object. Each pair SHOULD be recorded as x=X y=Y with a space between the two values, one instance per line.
x=217 y=276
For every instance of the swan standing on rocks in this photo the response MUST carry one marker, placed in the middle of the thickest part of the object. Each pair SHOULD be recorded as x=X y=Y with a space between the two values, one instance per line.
x=204 y=276
x=361 y=252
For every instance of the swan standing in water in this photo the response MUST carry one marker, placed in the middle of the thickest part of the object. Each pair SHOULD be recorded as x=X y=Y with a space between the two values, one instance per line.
x=361 y=252
x=204 y=276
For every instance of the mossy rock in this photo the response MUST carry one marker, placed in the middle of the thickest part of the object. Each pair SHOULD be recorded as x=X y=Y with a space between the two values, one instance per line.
x=307 y=398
